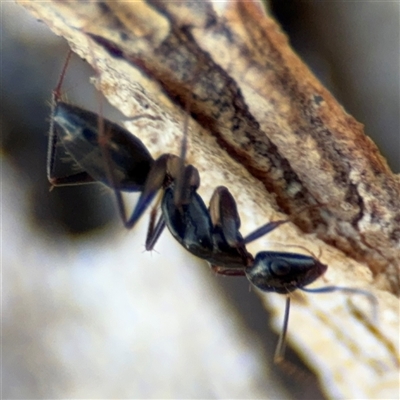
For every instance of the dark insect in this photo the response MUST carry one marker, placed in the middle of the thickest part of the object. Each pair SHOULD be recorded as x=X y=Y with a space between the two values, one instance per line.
x=107 y=153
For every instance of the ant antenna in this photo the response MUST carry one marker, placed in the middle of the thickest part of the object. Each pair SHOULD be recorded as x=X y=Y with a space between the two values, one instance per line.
x=329 y=289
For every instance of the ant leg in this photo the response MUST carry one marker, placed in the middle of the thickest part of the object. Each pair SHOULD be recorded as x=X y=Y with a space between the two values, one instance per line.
x=154 y=229
x=227 y=272
x=225 y=218
x=51 y=149
x=153 y=234
x=189 y=181
x=224 y=214
x=82 y=178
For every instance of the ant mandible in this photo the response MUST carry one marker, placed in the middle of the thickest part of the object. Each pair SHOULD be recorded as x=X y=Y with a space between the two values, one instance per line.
x=105 y=152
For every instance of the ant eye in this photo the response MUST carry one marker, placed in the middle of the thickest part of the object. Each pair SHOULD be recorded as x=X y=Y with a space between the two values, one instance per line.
x=280 y=267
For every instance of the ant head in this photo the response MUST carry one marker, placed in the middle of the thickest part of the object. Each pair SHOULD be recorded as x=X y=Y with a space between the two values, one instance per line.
x=283 y=272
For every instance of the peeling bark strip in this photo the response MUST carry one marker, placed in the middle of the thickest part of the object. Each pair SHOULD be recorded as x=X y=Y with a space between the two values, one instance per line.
x=247 y=89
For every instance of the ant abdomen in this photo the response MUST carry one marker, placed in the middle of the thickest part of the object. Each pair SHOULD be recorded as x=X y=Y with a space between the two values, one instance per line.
x=282 y=272
x=78 y=131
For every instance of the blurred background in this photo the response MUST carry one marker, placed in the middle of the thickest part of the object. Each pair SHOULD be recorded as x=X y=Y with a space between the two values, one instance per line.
x=84 y=312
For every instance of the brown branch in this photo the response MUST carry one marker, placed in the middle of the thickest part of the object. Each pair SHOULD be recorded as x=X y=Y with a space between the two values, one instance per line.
x=262 y=125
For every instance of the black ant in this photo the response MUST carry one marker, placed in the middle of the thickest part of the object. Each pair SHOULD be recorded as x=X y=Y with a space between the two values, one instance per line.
x=107 y=153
